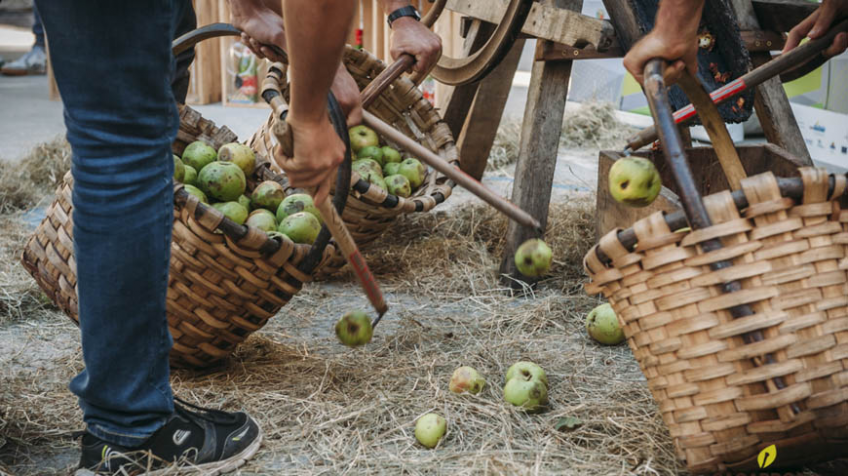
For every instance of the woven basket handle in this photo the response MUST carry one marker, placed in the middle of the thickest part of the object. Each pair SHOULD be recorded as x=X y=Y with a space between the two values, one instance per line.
x=693 y=204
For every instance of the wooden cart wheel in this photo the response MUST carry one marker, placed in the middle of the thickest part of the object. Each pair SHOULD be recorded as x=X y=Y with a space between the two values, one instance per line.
x=459 y=71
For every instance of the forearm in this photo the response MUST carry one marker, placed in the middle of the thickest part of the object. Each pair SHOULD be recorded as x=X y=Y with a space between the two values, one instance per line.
x=681 y=17
x=315 y=44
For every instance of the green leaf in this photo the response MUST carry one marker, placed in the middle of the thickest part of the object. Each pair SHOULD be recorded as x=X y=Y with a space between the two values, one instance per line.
x=568 y=424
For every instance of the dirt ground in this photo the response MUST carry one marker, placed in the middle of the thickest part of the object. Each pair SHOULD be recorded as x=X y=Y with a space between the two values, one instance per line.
x=326 y=409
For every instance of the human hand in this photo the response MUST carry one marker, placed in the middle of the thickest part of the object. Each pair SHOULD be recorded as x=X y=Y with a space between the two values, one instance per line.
x=318 y=152
x=680 y=50
x=260 y=26
x=411 y=37
x=817 y=24
x=346 y=91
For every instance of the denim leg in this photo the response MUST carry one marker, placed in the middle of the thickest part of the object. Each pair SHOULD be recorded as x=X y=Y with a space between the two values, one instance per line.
x=37 y=29
x=113 y=66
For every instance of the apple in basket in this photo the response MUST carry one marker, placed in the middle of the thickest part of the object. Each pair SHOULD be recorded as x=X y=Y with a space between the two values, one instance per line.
x=371 y=152
x=179 y=169
x=390 y=155
x=429 y=429
x=239 y=154
x=199 y=154
x=189 y=175
x=362 y=137
x=414 y=171
x=223 y=181
x=295 y=203
x=398 y=185
x=602 y=325
x=301 y=227
x=232 y=210
x=262 y=219
x=533 y=258
x=391 y=168
x=244 y=201
x=354 y=329
x=466 y=379
x=634 y=181
x=191 y=189
x=268 y=195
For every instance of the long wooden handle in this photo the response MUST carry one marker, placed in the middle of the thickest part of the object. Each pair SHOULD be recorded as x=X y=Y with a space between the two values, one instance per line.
x=714 y=124
x=337 y=228
x=755 y=77
x=461 y=178
x=384 y=79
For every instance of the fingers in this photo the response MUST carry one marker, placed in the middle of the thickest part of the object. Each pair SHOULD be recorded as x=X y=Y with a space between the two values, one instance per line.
x=323 y=190
x=354 y=116
x=251 y=45
x=793 y=39
x=826 y=15
x=840 y=43
x=673 y=72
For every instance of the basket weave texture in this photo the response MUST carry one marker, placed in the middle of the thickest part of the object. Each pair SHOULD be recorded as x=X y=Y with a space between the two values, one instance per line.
x=792 y=260
x=402 y=105
x=221 y=288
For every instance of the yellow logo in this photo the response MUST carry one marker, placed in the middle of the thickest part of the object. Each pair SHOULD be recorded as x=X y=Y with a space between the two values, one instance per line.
x=767 y=457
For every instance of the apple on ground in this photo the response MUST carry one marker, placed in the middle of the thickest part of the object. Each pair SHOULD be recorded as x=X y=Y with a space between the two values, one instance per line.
x=362 y=137
x=354 y=329
x=603 y=326
x=634 y=181
x=429 y=429
x=466 y=379
x=527 y=371
x=533 y=258
x=530 y=395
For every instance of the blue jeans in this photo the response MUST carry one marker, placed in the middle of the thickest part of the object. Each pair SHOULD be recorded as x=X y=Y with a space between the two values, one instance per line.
x=37 y=29
x=114 y=68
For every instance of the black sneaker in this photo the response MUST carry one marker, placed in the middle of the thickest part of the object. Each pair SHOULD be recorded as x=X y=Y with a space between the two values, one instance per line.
x=196 y=440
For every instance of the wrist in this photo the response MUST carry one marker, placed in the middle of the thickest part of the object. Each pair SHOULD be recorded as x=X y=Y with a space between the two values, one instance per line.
x=404 y=22
x=298 y=119
x=391 y=5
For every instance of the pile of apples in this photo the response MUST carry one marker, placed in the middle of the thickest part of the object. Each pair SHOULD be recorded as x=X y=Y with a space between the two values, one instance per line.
x=383 y=166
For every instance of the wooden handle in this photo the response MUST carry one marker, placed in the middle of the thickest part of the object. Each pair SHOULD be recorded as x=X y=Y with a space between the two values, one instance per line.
x=461 y=178
x=714 y=124
x=285 y=146
x=384 y=79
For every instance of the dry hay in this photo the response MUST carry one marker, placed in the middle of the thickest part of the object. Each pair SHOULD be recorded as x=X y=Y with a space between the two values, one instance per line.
x=26 y=182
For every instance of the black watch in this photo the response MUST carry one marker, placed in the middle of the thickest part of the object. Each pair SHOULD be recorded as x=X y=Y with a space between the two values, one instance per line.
x=407 y=11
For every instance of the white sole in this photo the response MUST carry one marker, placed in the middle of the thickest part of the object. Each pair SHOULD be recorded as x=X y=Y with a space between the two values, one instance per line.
x=207 y=469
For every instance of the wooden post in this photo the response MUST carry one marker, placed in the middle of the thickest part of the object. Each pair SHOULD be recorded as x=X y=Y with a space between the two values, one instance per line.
x=537 y=158
x=458 y=100
x=770 y=101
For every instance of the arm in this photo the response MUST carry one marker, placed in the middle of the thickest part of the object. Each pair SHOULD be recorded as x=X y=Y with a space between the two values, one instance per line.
x=674 y=38
x=410 y=36
x=817 y=24
x=315 y=43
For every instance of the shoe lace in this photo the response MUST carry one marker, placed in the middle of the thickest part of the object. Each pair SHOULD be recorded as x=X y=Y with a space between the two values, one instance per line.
x=193 y=412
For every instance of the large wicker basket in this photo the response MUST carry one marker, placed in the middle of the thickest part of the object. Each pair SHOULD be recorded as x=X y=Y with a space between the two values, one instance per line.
x=371 y=210
x=740 y=325
x=226 y=280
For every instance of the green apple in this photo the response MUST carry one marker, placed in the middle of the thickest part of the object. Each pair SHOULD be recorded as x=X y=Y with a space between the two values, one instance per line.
x=301 y=227
x=466 y=379
x=391 y=168
x=179 y=169
x=371 y=152
x=199 y=154
x=634 y=181
x=527 y=371
x=429 y=429
x=189 y=175
x=239 y=154
x=244 y=201
x=262 y=219
x=367 y=167
x=391 y=155
x=362 y=137
x=197 y=193
x=354 y=329
x=268 y=195
x=414 y=171
x=603 y=326
x=222 y=181
x=530 y=395
x=378 y=182
x=533 y=258
x=298 y=202
x=398 y=185
x=232 y=210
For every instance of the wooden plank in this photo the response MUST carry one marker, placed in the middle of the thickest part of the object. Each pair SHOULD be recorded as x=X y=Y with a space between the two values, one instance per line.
x=544 y=21
x=770 y=101
x=782 y=15
x=458 y=100
x=481 y=126
x=627 y=29
x=537 y=157
x=205 y=71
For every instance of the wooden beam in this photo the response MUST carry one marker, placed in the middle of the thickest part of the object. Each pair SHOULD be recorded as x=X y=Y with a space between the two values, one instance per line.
x=481 y=125
x=770 y=101
x=537 y=157
x=544 y=21
x=782 y=15
x=459 y=99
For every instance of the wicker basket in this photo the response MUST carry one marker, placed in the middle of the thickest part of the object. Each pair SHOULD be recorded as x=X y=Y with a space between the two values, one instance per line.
x=371 y=210
x=740 y=325
x=226 y=280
